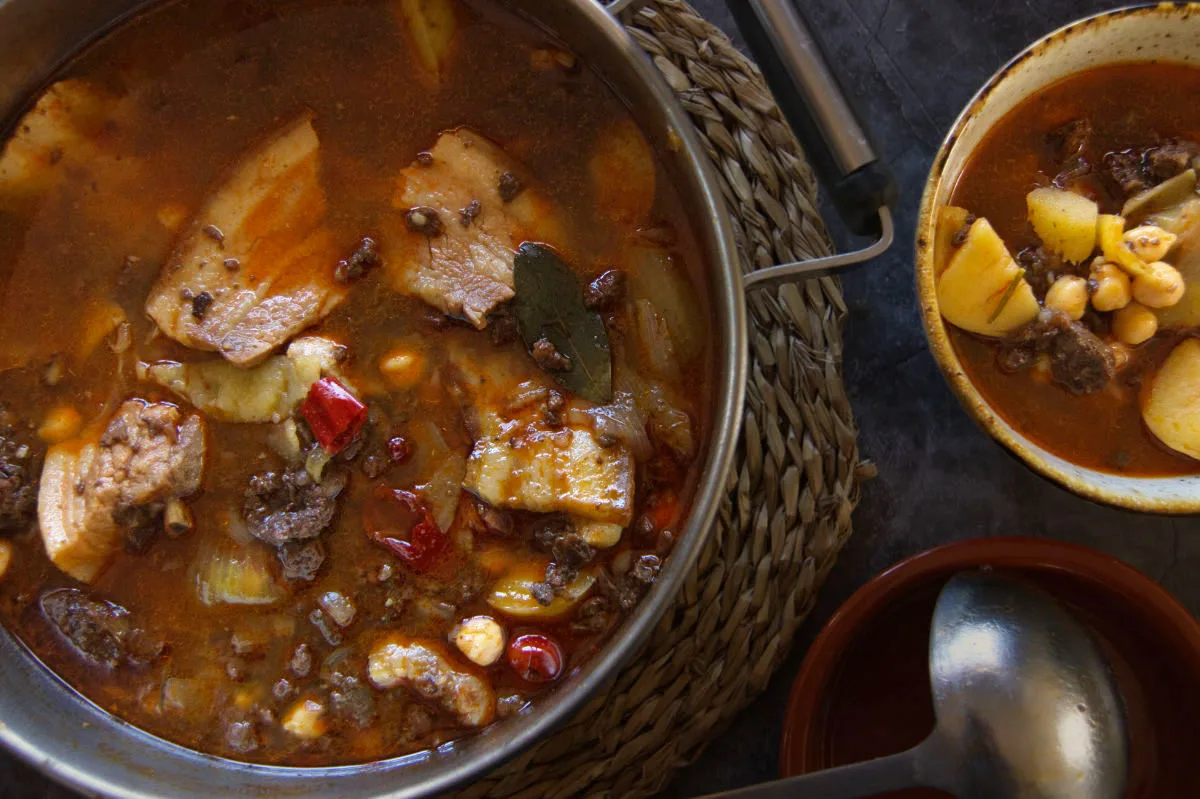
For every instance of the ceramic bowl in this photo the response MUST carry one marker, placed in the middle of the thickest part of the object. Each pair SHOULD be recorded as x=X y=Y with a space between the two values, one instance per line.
x=1165 y=32
x=863 y=690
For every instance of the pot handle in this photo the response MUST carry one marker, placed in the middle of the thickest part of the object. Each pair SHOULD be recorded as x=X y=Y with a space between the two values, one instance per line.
x=812 y=102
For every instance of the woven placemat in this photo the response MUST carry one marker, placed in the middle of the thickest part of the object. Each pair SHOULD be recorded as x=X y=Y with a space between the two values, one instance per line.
x=795 y=481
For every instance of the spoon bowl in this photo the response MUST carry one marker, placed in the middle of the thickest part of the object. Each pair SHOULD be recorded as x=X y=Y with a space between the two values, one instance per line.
x=1025 y=701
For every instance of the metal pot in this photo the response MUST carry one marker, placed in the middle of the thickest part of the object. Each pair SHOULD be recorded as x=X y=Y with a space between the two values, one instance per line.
x=54 y=728
x=1165 y=32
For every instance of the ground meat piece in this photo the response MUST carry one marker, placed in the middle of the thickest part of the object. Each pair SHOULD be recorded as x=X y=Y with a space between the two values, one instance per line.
x=424 y=220
x=503 y=327
x=288 y=506
x=510 y=186
x=1125 y=170
x=354 y=701
x=364 y=258
x=214 y=233
x=201 y=303
x=547 y=530
x=1079 y=360
x=486 y=519
x=547 y=356
x=644 y=529
x=1169 y=159
x=425 y=159
x=593 y=616
x=626 y=590
x=467 y=215
x=416 y=723
x=98 y=631
x=542 y=592
x=605 y=291
x=1043 y=267
x=555 y=402
x=301 y=560
x=18 y=483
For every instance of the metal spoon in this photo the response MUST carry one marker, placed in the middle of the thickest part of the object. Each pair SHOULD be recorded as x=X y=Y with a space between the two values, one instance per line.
x=1025 y=703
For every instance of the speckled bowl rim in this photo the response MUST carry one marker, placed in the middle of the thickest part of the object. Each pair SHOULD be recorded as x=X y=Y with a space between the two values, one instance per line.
x=935 y=329
x=803 y=729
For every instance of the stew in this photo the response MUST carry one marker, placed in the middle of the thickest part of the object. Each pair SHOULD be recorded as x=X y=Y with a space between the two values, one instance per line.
x=1069 y=268
x=354 y=372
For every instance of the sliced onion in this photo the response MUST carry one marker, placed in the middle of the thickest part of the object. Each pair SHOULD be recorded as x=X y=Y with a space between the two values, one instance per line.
x=228 y=573
x=620 y=419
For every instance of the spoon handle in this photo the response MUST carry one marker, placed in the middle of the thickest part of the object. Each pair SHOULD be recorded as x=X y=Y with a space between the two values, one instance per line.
x=868 y=778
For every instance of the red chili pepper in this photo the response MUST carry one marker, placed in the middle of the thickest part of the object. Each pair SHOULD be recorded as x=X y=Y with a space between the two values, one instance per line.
x=535 y=658
x=400 y=521
x=334 y=414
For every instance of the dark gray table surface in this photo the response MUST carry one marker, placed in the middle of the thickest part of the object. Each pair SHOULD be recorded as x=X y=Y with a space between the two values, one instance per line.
x=912 y=65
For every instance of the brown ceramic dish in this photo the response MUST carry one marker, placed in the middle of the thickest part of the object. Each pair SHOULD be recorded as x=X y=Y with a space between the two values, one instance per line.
x=864 y=688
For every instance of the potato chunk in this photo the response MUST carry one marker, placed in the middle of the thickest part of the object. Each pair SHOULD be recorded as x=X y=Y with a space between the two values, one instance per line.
x=1064 y=221
x=432 y=25
x=982 y=289
x=623 y=174
x=1172 y=411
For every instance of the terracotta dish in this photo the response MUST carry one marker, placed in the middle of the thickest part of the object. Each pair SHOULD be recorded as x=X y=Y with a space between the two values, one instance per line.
x=863 y=691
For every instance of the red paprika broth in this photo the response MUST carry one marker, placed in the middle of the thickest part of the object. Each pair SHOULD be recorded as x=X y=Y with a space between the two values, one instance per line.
x=198 y=85
x=1129 y=106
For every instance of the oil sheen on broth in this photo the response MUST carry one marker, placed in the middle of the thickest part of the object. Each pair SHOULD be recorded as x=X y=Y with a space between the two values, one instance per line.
x=421 y=612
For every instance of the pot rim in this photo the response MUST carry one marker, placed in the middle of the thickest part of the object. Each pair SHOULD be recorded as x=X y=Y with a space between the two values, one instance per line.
x=935 y=328
x=112 y=771
x=1020 y=553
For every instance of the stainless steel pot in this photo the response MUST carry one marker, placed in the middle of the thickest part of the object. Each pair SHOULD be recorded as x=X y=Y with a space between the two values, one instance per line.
x=54 y=728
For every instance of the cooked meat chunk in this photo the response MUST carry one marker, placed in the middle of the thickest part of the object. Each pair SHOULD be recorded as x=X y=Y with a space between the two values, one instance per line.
x=97 y=631
x=1169 y=159
x=1079 y=360
x=521 y=462
x=18 y=483
x=626 y=590
x=1069 y=141
x=281 y=507
x=301 y=560
x=422 y=668
x=464 y=270
x=93 y=493
x=1126 y=171
x=1068 y=145
x=269 y=218
x=1043 y=267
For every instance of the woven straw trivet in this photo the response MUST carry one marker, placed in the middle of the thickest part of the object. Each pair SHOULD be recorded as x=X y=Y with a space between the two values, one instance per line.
x=795 y=481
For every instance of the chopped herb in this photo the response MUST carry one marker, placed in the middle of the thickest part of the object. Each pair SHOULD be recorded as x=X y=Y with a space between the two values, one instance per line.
x=1008 y=292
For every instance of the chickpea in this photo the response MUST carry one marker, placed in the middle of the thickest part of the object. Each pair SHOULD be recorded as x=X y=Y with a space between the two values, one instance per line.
x=1160 y=287
x=481 y=639
x=1134 y=324
x=1069 y=295
x=1111 y=286
x=1150 y=242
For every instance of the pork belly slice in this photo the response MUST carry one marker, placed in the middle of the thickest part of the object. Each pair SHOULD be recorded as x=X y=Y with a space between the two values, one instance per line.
x=473 y=206
x=256 y=265
x=95 y=491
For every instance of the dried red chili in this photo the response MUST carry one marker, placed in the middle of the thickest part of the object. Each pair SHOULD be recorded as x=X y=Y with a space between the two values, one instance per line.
x=400 y=521
x=333 y=413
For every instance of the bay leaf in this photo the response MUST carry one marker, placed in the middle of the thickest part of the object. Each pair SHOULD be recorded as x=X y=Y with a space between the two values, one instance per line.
x=548 y=303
